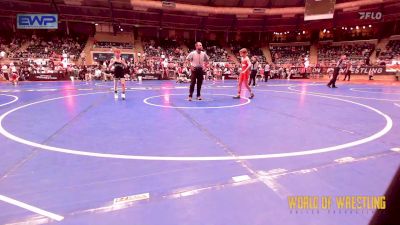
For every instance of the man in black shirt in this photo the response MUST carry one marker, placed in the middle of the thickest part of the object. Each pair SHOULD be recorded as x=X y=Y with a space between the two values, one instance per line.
x=253 y=69
x=340 y=64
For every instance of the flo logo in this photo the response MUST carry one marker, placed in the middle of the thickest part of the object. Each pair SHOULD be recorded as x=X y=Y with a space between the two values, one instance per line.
x=370 y=15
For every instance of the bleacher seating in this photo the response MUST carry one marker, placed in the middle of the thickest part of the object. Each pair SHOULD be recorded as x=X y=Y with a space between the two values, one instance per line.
x=50 y=46
x=328 y=54
x=392 y=52
x=253 y=50
x=293 y=55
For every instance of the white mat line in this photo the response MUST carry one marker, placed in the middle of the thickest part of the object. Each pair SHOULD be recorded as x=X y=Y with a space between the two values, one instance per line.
x=31 y=208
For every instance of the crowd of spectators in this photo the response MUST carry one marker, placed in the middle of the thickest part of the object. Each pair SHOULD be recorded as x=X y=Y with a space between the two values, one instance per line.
x=391 y=53
x=289 y=55
x=160 y=57
x=169 y=50
x=51 y=46
x=46 y=53
x=27 y=67
x=167 y=57
x=254 y=50
x=328 y=54
x=8 y=45
x=214 y=50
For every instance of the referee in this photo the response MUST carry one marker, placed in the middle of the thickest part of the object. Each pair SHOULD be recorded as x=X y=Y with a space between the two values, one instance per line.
x=339 y=65
x=254 y=70
x=198 y=60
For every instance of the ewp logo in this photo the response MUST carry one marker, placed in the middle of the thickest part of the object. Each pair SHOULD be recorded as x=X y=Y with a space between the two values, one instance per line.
x=370 y=15
x=37 y=21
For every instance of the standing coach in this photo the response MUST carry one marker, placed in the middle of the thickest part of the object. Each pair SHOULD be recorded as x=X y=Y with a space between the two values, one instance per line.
x=198 y=60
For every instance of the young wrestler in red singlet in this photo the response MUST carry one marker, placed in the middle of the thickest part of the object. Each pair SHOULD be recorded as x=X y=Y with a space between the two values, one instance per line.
x=244 y=75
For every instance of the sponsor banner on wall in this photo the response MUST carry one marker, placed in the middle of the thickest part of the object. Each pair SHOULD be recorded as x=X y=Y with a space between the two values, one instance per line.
x=47 y=77
x=150 y=76
x=364 y=70
x=231 y=77
x=107 y=56
x=37 y=21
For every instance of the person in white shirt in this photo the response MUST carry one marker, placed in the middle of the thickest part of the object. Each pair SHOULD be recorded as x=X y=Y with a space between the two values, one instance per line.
x=227 y=72
x=165 y=68
x=97 y=73
x=13 y=75
x=267 y=70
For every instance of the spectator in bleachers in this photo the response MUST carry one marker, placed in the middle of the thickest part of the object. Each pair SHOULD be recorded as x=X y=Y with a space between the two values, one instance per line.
x=289 y=55
x=391 y=53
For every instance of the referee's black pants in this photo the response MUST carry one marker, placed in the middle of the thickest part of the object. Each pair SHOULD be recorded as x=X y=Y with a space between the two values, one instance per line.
x=334 y=77
x=253 y=75
x=196 y=77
